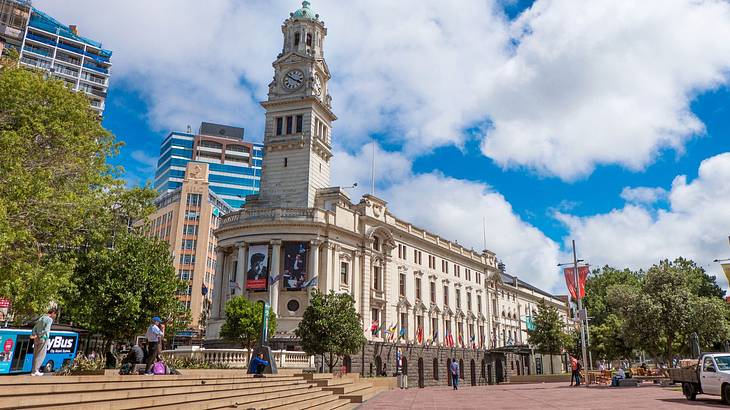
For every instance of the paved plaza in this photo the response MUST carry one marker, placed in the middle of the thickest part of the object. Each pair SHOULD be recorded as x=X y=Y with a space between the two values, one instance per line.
x=539 y=396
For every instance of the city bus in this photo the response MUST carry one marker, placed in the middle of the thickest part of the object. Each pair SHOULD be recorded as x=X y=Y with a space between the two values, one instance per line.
x=16 y=350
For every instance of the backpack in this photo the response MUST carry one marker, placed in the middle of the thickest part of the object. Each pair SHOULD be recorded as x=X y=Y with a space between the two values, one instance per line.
x=578 y=367
x=159 y=368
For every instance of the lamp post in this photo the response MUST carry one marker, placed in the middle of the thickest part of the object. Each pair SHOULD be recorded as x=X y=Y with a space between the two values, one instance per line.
x=580 y=303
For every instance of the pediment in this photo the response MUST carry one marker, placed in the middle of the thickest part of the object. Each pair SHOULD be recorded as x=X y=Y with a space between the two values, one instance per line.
x=434 y=309
x=292 y=58
x=447 y=311
x=404 y=303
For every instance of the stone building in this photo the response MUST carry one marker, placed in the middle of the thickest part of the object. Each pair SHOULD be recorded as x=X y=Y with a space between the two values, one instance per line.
x=307 y=234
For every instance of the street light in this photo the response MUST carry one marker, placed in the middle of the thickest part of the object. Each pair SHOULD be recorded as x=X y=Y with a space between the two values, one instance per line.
x=580 y=305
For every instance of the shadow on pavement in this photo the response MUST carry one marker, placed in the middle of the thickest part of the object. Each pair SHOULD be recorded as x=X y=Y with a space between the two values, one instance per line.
x=702 y=403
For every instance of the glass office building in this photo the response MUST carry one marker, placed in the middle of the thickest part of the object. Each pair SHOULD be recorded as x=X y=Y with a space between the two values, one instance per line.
x=234 y=164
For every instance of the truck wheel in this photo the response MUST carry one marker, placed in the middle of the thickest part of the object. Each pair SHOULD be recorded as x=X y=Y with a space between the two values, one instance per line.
x=726 y=393
x=688 y=389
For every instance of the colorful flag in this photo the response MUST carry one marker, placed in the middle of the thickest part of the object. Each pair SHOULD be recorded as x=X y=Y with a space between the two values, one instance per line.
x=461 y=341
x=419 y=335
x=435 y=337
x=274 y=278
x=449 y=339
x=570 y=280
x=473 y=342
x=402 y=333
x=311 y=282
x=726 y=270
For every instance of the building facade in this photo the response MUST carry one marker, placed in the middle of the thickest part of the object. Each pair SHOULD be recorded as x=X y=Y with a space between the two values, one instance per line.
x=234 y=165
x=186 y=218
x=50 y=45
x=433 y=298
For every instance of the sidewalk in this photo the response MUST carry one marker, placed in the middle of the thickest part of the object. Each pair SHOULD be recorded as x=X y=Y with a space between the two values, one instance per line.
x=539 y=396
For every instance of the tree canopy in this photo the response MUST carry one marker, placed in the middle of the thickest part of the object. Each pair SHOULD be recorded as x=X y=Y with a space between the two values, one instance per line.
x=549 y=335
x=53 y=175
x=244 y=321
x=331 y=327
x=118 y=290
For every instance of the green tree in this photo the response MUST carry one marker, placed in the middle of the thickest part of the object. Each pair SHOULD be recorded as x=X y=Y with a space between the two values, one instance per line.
x=53 y=175
x=597 y=285
x=244 y=321
x=331 y=327
x=675 y=300
x=548 y=335
x=118 y=290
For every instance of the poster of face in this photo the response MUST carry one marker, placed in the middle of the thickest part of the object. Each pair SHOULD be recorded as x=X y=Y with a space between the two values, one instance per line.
x=257 y=275
x=295 y=265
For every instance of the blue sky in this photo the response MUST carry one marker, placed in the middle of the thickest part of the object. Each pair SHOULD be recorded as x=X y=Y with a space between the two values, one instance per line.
x=550 y=120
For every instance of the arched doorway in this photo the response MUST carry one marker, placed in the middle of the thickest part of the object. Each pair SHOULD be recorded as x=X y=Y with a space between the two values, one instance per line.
x=489 y=374
x=448 y=371
x=498 y=371
x=484 y=370
x=347 y=363
x=404 y=368
x=461 y=369
x=421 y=382
x=378 y=366
x=435 y=369
x=473 y=373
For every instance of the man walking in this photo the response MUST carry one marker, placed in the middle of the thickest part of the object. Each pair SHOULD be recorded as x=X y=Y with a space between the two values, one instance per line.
x=41 y=331
x=154 y=335
x=455 y=374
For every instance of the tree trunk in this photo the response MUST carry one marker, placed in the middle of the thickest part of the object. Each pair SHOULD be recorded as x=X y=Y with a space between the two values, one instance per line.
x=552 y=371
x=670 y=340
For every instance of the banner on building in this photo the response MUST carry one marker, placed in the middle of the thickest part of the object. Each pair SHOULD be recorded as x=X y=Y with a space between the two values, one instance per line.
x=570 y=280
x=257 y=275
x=295 y=265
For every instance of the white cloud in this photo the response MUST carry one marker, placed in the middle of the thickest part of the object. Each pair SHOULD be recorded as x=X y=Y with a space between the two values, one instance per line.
x=566 y=87
x=605 y=82
x=695 y=226
x=643 y=195
x=454 y=209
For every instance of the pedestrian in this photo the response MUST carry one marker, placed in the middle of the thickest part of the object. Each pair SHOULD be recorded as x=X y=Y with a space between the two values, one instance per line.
x=573 y=369
x=258 y=365
x=154 y=335
x=455 y=374
x=40 y=334
x=578 y=369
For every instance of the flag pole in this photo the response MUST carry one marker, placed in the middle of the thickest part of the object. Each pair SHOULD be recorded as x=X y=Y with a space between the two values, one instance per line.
x=580 y=308
x=372 y=171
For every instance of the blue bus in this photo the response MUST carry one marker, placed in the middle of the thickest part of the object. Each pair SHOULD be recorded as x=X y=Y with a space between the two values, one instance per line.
x=16 y=350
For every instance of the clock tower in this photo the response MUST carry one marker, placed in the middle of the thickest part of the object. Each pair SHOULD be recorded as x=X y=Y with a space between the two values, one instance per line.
x=298 y=132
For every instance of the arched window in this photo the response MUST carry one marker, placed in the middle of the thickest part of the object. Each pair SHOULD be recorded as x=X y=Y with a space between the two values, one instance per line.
x=296 y=39
x=435 y=369
x=461 y=369
x=309 y=39
x=376 y=243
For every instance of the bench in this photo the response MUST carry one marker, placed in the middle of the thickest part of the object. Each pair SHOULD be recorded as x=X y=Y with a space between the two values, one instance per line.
x=629 y=383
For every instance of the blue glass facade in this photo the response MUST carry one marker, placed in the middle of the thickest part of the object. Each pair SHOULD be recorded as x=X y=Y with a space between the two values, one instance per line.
x=231 y=180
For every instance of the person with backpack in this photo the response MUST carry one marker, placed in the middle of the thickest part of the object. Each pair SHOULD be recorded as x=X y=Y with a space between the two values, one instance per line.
x=154 y=335
x=40 y=334
x=455 y=374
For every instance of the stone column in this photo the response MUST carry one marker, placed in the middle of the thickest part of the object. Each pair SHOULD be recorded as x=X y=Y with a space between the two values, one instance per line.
x=275 y=270
x=314 y=264
x=364 y=281
x=219 y=291
x=241 y=268
x=355 y=282
x=335 y=266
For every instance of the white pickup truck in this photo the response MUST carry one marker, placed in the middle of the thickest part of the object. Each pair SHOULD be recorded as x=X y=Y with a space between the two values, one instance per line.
x=711 y=376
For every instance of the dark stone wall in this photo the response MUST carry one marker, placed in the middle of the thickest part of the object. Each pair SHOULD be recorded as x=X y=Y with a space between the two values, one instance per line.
x=429 y=366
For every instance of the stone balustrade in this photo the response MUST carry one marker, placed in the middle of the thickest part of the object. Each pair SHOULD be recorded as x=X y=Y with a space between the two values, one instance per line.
x=238 y=358
x=272 y=214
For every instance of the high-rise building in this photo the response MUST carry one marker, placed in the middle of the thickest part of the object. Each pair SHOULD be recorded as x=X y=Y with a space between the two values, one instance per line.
x=234 y=164
x=45 y=43
x=185 y=218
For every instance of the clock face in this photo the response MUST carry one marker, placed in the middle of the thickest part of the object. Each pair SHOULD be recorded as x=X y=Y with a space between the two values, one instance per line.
x=317 y=87
x=293 y=79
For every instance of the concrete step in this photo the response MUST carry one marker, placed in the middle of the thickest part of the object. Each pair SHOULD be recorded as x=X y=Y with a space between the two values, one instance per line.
x=135 y=398
x=255 y=401
x=29 y=380
x=319 y=401
x=147 y=382
x=315 y=376
x=361 y=396
x=348 y=388
x=333 y=382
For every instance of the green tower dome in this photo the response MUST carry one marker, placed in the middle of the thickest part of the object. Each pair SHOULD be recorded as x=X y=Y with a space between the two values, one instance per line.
x=304 y=13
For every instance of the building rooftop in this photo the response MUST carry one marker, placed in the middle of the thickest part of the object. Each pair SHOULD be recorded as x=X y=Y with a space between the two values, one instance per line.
x=304 y=13
x=43 y=21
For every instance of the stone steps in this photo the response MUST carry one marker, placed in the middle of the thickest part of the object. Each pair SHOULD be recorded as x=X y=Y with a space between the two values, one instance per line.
x=227 y=389
x=361 y=396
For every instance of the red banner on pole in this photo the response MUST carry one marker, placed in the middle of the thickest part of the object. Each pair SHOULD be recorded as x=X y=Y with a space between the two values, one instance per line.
x=570 y=280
